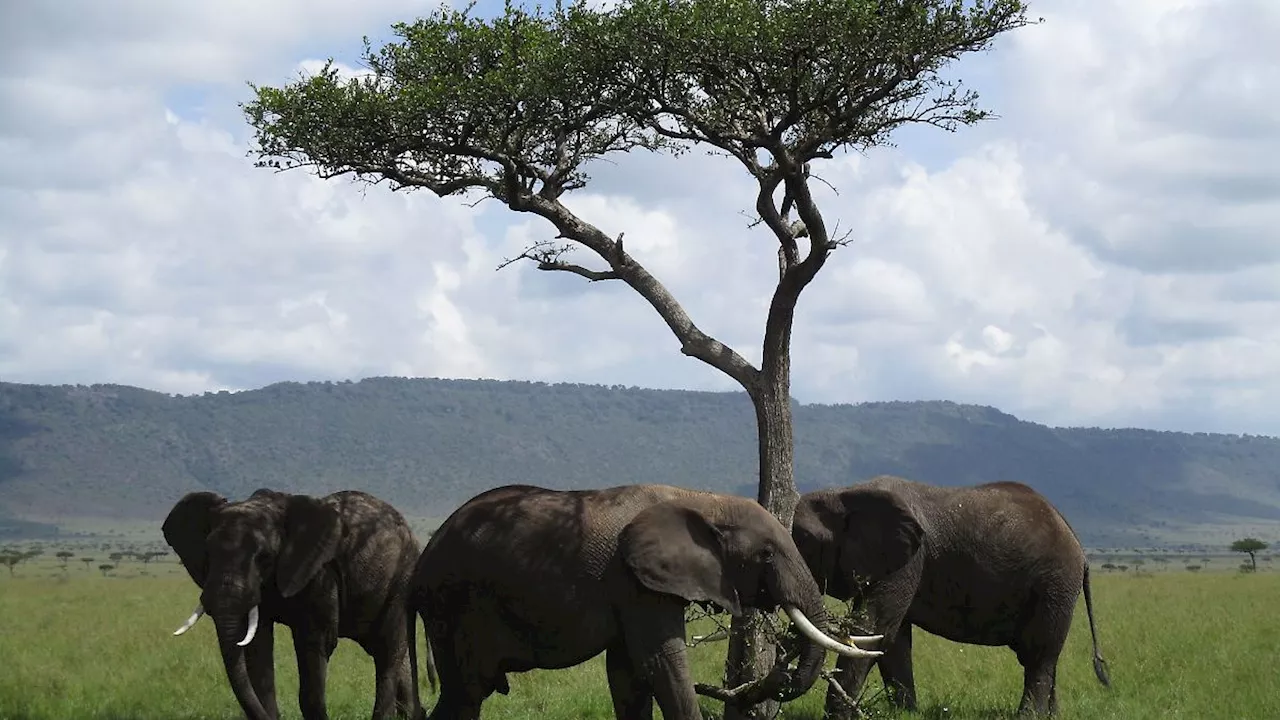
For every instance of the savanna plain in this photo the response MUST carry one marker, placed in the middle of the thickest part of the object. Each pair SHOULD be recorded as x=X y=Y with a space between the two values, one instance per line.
x=92 y=644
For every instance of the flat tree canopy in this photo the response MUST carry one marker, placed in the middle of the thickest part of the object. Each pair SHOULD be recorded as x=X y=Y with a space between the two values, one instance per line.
x=516 y=107
x=1252 y=546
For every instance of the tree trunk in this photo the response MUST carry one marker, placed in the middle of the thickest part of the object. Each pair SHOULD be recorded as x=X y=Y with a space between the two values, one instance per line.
x=751 y=653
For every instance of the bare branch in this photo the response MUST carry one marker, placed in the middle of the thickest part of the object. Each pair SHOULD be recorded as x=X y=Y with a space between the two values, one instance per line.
x=840 y=692
x=693 y=341
x=748 y=693
x=592 y=275
x=547 y=256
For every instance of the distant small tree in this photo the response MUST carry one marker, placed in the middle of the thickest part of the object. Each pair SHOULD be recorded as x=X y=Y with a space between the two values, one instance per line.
x=1193 y=568
x=64 y=556
x=10 y=561
x=1249 y=545
x=87 y=561
x=106 y=568
x=1108 y=566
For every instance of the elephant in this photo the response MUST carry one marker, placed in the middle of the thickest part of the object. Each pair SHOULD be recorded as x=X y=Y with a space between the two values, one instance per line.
x=328 y=567
x=522 y=577
x=992 y=564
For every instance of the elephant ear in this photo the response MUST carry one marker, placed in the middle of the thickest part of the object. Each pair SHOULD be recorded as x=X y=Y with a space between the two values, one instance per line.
x=881 y=535
x=187 y=526
x=673 y=549
x=311 y=535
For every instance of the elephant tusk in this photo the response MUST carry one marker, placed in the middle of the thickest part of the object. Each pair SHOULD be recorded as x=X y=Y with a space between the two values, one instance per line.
x=857 y=640
x=808 y=629
x=253 y=627
x=191 y=620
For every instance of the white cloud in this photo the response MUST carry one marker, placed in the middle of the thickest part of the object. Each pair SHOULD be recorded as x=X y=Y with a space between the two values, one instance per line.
x=1103 y=253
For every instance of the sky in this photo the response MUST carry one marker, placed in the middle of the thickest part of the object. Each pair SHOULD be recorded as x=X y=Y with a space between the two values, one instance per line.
x=1103 y=253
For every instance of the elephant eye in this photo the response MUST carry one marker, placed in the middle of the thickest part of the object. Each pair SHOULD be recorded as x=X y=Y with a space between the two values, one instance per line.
x=766 y=554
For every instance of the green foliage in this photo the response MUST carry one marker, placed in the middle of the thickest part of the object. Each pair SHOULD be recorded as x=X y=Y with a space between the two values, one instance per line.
x=1252 y=546
x=96 y=648
x=528 y=97
x=1248 y=545
x=427 y=445
x=811 y=77
x=458 y=102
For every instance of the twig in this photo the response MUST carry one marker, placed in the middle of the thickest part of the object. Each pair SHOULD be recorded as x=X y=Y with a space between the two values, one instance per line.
x=546 y=254
x=830 y=677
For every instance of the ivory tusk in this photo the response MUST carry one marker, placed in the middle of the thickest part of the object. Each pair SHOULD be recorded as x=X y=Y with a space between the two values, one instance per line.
x=808 y=629
x=253 y=627
x=864 y=639
x=191 y=620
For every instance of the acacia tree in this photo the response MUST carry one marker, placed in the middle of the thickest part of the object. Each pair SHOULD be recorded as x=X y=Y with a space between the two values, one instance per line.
x=1252 y=546
x=516 y=107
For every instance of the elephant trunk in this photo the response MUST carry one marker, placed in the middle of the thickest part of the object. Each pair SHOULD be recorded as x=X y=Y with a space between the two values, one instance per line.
x=813 y=622
x=231 y=640
x=812 y=654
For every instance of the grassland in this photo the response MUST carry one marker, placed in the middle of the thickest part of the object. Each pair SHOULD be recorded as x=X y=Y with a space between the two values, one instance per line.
x=77 y=644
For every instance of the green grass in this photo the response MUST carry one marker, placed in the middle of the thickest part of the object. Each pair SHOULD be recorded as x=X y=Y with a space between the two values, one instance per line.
x=79 y=645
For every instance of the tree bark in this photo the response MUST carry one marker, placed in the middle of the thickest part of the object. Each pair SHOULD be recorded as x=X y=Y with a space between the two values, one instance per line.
x=751 y=652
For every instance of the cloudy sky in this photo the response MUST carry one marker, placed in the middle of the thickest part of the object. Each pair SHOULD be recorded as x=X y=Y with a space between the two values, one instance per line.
x=1104 y=253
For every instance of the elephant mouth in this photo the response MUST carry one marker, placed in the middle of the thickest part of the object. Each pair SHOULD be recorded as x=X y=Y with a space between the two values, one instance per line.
x=199 y=612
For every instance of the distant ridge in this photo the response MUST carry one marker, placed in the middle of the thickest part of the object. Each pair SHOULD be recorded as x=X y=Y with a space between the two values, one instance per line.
x=113 y=451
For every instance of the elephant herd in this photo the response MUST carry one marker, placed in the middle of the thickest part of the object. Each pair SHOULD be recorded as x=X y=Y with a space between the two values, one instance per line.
x=522 y=577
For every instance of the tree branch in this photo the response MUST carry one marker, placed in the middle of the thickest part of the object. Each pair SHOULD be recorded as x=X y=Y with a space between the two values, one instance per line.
x=547 y=256
x=693 y=341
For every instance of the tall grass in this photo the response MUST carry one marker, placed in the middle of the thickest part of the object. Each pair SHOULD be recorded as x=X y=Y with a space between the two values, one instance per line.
x=75 y=644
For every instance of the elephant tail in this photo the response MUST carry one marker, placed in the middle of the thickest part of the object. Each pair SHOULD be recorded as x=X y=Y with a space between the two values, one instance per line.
x=1099 y=664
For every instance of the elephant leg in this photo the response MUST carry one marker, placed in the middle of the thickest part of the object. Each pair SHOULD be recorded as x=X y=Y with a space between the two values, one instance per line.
x=632 y=696
x=653 y=630
x=1039 y=645
x=259 y=659
x=896 y=671
x=313 y=650
x=392 y=695
x=1038 y=683
x=461 y=691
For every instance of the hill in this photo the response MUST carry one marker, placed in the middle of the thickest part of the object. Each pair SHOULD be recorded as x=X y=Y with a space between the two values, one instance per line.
x=108 y=451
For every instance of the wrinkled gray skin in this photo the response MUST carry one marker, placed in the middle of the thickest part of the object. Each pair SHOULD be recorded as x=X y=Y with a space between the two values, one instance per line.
x=330 y=567
x=522 y=577
x=991 y=564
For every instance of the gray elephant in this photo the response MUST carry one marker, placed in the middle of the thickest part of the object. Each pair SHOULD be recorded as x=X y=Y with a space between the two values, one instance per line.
x=330 y=567
x=992 y=564
x=522 y=577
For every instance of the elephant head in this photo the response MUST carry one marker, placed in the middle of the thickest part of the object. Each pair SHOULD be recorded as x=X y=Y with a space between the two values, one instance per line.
x=270 y=544
x=854 y=532
x=734 y=553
